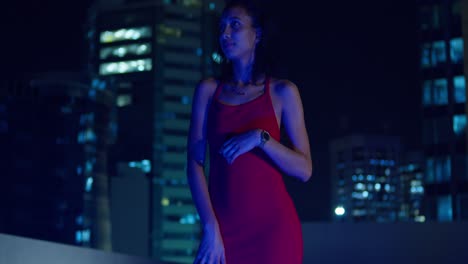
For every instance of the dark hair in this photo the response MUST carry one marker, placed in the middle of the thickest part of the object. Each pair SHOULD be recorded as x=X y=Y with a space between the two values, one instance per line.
x=263 y=63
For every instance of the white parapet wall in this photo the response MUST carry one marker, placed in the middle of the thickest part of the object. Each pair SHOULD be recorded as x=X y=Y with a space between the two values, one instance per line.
x=395 y=243
x=324 y=243
x=20 y=250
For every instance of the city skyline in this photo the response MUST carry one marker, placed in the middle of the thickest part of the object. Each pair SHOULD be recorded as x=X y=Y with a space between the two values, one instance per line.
x=95 y=107
x=354 y=76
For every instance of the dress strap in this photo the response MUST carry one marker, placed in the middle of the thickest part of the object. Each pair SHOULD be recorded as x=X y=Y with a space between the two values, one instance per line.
x=267 y=85
x=218 y=90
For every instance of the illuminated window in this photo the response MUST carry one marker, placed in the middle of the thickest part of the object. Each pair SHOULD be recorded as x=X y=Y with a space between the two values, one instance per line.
x=88 y=166
x=438 y=53
x=125 y=34
x=98 y=84
x=430 y=170
x=460 y=89
x=459 y=124
x=185 y=100
x=122 y=67
x=426 y=55
x=360 y=195
x=442 y=169
x=165 y=201
x=456 y=50
x=188 y=219
x=78 y=237
x=144 y=165
x=86 y=136
x=192 y=3
x=359 y=212
x=79 y=220
x=444 y=208
x=416 y=187
x=440 y=92
x=170 y=31
x=359 y=186
x=125 y=50
x=377 y=186
x=89 y=184
x=124 y=100
x=427 y=93
x=87 y=118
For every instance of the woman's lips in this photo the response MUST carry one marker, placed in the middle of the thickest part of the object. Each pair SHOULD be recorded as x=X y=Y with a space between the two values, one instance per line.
x=228 y=45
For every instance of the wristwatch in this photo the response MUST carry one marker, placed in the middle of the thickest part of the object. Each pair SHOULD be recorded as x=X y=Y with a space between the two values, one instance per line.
x=264 y=137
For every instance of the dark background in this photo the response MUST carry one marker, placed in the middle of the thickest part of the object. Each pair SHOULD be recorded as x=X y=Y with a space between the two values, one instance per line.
x=355 y=63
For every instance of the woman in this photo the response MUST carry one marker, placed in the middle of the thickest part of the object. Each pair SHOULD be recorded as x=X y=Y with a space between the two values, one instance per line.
x=246 y=213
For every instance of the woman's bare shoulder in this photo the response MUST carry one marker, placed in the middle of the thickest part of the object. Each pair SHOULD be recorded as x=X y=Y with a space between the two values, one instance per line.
x=283 y=87
x=208 y=85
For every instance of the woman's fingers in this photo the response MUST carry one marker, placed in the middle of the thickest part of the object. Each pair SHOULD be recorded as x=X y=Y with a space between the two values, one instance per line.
x=232 y=151
x=223 y=259
x=227 y=146
x=227 y=142
x=229 y=151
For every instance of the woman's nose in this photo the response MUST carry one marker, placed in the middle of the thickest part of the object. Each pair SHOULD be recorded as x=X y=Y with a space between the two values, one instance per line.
x=226 y=33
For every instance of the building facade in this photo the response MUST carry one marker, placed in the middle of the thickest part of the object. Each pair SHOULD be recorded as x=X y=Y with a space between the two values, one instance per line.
x=443 y=86
x=55 y=133
x=411 y=173
x=365 y=178
x=156 y=52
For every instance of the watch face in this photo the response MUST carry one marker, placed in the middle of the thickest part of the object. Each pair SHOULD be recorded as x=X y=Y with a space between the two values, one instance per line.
x=265 y=135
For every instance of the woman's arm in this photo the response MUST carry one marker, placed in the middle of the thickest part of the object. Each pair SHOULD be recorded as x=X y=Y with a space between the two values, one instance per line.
x=211 y=246
x=196 y=152
x=295 y=161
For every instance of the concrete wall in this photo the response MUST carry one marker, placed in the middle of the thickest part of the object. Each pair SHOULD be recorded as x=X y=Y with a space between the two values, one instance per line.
x=324 y=243
x=402 y=243
x=19 y=250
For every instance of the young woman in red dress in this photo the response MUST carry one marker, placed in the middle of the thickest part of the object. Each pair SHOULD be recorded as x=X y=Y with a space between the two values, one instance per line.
x=246 y=213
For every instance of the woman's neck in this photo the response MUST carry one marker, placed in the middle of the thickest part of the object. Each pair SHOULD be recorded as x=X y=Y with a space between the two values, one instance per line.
x=243 y=70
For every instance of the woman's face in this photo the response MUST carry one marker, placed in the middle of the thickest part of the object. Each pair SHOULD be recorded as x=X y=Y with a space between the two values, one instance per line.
x=237 y=35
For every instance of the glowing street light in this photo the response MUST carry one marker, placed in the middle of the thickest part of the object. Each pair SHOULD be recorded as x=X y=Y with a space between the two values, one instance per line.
x=339 y=210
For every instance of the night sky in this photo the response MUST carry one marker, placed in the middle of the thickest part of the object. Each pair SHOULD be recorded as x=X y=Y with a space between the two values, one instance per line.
x=355 y=63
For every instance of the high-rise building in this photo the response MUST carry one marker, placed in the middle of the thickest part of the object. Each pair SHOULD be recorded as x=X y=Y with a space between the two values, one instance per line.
x=130 y=208
x=365 y=179
x=443 y=35
x=54 y=134
x=411 y=173
x=156 y=52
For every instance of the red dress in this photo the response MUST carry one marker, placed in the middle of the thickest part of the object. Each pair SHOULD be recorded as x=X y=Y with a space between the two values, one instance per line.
x=256 y=215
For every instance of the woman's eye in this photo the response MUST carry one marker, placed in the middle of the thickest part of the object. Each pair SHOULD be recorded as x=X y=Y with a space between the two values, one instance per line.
x=235 y=24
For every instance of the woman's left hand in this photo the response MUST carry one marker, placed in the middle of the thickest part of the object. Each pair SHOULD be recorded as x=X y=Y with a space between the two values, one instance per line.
x=240 y=144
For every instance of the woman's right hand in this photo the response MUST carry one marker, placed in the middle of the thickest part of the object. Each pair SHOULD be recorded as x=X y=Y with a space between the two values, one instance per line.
x=211 y=249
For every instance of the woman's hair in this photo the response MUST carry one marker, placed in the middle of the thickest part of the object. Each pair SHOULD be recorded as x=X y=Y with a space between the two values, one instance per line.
x=263 y=63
